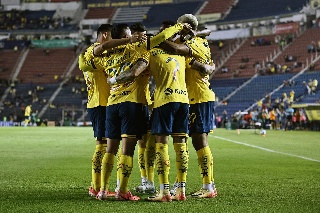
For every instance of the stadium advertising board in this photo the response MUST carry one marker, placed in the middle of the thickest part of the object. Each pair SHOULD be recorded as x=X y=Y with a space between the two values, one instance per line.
x=286 y=28
x=203 y=18
x=56 y=43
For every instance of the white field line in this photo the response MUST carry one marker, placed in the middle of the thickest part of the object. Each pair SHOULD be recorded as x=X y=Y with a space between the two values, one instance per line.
x=265 y=149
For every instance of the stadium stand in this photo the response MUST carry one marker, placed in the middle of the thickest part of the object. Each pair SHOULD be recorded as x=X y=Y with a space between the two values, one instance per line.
x=255 y=90
x=130 y=14
x=247 y=56
x=252 y=9
x=217 y=6
x=235 y=90
x=158 y=13
x=299 y=50
x=8 y=61
x=46 y=65
x=100 y=13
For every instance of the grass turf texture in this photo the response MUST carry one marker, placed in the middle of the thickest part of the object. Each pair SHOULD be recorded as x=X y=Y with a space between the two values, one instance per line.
x=49 y=170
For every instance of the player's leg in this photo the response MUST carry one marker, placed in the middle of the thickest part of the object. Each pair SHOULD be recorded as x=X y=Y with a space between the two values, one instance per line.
x=179 y=133
x=161 y=127
x=113 y=140
x=97 y=116
x=146 y=152
x=200 y=126
x=150 y=156
x=131 y=131
x=142 y=163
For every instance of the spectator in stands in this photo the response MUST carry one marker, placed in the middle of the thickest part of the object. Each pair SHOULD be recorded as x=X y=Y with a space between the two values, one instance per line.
x=224 y=69
x=312 y=47
x=242 y=66
x=314 y=86
x=284 y=68
x=297 y=64
x=311 y=67
x=235 y=73
x=282 y=43
x=220 y=45
x=277 y=39
x=291 y=96
x=289 y=58
x=283 y=99
x=307 y=90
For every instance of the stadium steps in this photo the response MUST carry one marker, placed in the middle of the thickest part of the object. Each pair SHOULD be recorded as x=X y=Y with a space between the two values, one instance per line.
x=130 y=15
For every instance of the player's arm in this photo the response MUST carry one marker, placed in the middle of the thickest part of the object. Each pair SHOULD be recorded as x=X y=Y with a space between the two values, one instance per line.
x=204 y=33
x=165 y=34
x=175 y=48
x=129 y=75
x=100 y=48
x=205 y=69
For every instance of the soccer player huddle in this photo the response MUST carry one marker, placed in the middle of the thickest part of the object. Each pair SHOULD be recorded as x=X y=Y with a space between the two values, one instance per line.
x=118 y=69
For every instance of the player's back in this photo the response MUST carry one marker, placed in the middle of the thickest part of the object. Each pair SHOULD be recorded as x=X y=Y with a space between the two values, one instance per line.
x=197 y=84
x=120 y=60
x=168 y=72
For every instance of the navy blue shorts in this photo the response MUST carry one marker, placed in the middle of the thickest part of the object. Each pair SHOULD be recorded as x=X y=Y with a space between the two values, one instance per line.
x=201 y=117
x=170 y=119
x=124 y=120
x=97 y=116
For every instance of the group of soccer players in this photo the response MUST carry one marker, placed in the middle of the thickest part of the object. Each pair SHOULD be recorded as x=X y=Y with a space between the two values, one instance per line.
x=117 y=69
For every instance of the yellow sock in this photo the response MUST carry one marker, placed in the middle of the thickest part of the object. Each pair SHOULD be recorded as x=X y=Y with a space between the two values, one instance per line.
x=141 y=162
x=150 y=156
x=163 y=166
x=96 y=166
x=106 y=170
x=181 y=161
x=204 y=161
x=211 y=165
x=118 y=166
x=126 y=163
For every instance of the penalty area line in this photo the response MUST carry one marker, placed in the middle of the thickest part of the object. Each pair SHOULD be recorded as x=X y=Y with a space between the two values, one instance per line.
x=265 y=149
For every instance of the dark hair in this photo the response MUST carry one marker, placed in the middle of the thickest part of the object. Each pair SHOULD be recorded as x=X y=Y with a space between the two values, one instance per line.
x=117 y=31
x=137 y=27
x=168 y=22
x=104 y=28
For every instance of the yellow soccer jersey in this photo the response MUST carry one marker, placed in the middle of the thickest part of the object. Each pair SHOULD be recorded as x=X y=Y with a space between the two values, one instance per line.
x=27 y=111
x=96 y=79
x=122 y=58
x=168 y=72
x=199 y=86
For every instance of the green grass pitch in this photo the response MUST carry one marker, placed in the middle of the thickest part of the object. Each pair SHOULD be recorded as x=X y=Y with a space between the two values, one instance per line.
x=48 y=169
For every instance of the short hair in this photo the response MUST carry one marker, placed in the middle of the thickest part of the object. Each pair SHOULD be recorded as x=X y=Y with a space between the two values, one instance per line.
x=190 y=19
x=117 y=31
x=168 y=22
x=165 y=24
x=104 y=28
x=138 y=27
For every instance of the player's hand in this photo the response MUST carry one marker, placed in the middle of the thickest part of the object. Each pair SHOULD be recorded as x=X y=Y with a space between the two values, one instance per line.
x=209 y=68
x=112 y=81
x=138 y=38
x=186 y=26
